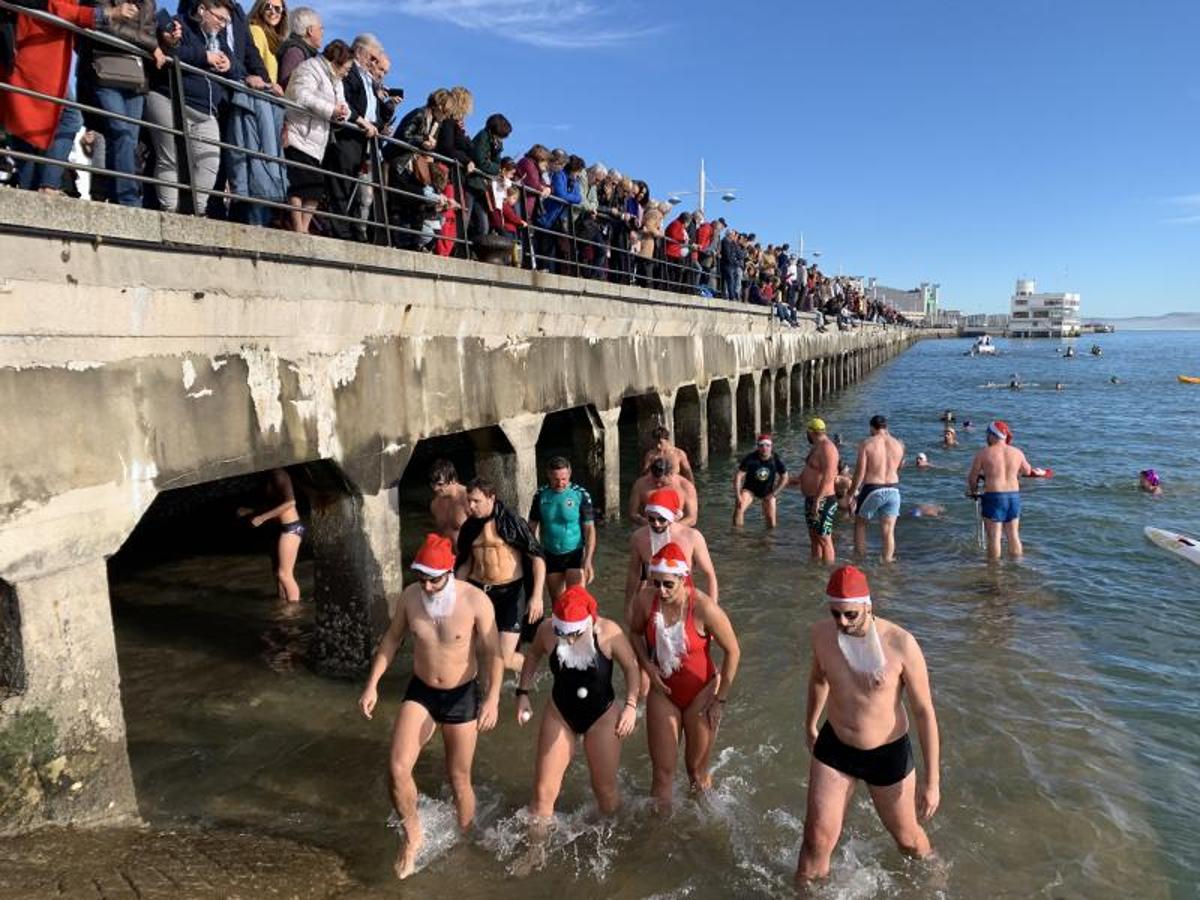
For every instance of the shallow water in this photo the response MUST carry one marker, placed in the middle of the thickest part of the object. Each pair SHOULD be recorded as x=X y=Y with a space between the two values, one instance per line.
x=1066 y=685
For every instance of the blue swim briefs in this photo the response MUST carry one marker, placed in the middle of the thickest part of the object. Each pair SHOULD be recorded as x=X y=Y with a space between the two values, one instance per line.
x=1002 y=506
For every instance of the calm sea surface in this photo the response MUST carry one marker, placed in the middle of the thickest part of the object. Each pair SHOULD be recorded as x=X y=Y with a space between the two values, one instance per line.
x=1067 y=685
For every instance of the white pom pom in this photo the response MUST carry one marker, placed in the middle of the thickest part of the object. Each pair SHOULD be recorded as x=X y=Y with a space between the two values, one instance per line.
x=526 y=715
x=581 y=693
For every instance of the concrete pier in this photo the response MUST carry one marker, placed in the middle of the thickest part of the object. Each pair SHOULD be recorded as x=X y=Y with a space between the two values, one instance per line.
x=145 y=352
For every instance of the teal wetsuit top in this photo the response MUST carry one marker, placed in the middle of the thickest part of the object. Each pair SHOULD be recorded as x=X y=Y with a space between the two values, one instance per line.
x=562 y=515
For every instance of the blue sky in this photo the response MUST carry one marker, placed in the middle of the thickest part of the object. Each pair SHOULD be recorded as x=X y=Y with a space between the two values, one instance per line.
x=967 y=143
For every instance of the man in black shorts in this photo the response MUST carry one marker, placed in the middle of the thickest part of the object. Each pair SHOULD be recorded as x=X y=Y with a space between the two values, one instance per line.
x=454 y=640
x=562 y=519
x=761 y=475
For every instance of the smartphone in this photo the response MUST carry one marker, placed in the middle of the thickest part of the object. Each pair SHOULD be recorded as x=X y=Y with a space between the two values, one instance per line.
x=398 y=93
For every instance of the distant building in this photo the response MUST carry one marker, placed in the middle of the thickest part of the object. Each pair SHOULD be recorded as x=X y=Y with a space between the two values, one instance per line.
x=1037 y=315
x=918 y=305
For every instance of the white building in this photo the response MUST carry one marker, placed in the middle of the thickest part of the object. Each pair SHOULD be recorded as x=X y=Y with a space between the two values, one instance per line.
x=1037 y=315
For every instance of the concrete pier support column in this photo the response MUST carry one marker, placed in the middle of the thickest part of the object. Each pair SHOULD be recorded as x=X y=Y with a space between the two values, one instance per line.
x=609 y=419
x=61 y=724
x=749 y=410
x=722 y=415
x=783 y=395
x=522 y=432
x=690 y=416
x=766 y=401
x=797 y=380
x=355 y=542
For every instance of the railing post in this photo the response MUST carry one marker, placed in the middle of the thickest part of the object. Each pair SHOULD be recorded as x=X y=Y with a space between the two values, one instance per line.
x=460 y=219
x=184 y=141
x=382 y=215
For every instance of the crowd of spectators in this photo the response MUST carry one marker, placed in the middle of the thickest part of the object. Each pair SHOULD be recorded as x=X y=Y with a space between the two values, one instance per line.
x=291 y=131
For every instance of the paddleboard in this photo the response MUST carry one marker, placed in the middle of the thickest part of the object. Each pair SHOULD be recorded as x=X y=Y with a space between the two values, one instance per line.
x=1179 y=544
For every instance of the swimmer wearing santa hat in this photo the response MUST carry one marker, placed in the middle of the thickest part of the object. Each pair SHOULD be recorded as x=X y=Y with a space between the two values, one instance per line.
x=454 y=639
x=863 y=667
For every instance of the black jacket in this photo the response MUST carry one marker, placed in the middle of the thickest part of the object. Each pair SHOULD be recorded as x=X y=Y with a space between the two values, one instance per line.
x=511 y=528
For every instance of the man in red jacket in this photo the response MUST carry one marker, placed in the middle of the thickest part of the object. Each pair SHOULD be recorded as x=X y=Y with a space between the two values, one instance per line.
x=677 y=249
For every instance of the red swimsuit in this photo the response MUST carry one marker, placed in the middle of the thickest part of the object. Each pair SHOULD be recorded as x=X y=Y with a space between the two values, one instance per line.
x=696 y=669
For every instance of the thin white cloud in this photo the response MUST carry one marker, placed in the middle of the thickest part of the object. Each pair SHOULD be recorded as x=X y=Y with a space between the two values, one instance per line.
x=1184 y=200
x=552 y=24
x=1184 y=220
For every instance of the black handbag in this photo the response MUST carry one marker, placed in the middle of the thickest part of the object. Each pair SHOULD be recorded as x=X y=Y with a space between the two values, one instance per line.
x=125 y=72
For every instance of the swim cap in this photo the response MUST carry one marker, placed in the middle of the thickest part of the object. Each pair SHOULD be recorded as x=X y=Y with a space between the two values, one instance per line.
x=1000 y=429
x=921 y=457
x=848 y=585
x=436 y=556
x=574 y=609
x=816 y=424
x=1151 y=477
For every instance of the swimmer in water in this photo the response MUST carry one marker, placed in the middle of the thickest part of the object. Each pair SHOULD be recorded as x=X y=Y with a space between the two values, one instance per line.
x=948 y=416
x=1014 y=385
x=949 y=437
x=282 y=499
x=1114 y=380
x=923 y=461
x=1058 y=385
x=967 y=426
x=1149 y=481
x=927 y=511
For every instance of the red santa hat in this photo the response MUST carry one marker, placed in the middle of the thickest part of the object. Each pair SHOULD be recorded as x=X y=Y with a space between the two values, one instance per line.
x=574 y=609
x=848 y=585
x=436 y=556
x=664 y=502
x=764 y=440
x=670 y=561
x=1001 y=430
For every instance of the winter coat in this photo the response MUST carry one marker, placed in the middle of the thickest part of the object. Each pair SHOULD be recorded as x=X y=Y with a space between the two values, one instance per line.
x=486 y=152
x=256 y=123
x=313 y=86
x=563 y=190
x=143 y=32
x=677 y=237
x=529 y=175
x=292 y=52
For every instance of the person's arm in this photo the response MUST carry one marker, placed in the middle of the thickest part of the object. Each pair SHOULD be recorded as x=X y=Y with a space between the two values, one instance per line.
x=488 y=659
x=739 y=478
x=685 y=466
x=1025 y=469
x=920 y=702
x=702 y=561
x=589 y=552
x=622 y=651
x=274 y=513
x=717 y=624
x=860 y=472
x=635 y=505
x=384 y=654
x=781 y=479
x=533 y=657
x=639 y=613
x=691 y=511
x=536 y=603
x=818 y=693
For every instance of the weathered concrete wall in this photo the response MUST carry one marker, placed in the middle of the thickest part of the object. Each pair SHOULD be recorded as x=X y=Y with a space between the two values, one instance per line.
x=143 y=352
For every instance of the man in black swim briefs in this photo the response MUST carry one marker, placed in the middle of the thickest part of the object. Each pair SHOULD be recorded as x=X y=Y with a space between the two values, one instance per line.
x=454 y=638
x=862 y=668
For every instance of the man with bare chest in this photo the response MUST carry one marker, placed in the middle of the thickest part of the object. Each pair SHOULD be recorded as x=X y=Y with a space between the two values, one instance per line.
x=863 y=668
x=498 y=553
x=662 y=475
x=663 y=447
x=449 y=504
x=876 y=488
x=817 y=482
x=454 y=640
x=663 y=510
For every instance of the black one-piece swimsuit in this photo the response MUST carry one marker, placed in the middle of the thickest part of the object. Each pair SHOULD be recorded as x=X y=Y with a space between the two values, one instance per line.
x=581 y=712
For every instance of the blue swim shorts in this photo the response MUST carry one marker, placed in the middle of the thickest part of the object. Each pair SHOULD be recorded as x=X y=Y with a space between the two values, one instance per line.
x=1002 y=506
x=879 y=500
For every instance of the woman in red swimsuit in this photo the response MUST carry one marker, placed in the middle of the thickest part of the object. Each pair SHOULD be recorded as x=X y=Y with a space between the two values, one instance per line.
x=672 y=625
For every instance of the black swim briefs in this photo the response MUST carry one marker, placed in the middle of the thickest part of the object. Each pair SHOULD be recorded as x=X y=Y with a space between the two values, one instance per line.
x=882 y=766
x=448 y=707
x=508 y=600
x=557 y=563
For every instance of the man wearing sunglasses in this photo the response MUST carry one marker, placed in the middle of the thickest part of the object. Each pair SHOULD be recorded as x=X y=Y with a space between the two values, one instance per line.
x=863 y=668
x=454 y=639
x=663 y=511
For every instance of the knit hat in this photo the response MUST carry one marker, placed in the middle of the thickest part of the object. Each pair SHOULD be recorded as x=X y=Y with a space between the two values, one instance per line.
x=848 y=585
x=436 y=556
x=1001 y=430
x=664 y=502
x=574 y=609
x=670 y=561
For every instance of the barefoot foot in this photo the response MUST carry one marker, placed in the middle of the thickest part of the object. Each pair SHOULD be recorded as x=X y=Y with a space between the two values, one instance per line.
x=406 y=856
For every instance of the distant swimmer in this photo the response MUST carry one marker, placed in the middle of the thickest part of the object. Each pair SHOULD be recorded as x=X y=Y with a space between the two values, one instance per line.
x=967 y=425
x=1115 y=380
x=454 y=641
x=876 y=488
x=923 y=461
x=281 y=498
x=672 y=627
x=761 y=476
x=841 y=487
x=563 y=522
x=948 y=416
x=949 y=437
x=863 y=669
x=662 y=475
x=1058 y=385
x=449 y=504
x=927 y=511
x=663 y=512
x=1149 y=481
x=817 y=484
x=1014 y=385
x=667 y=450
x=1000 y=465
x=583 y=648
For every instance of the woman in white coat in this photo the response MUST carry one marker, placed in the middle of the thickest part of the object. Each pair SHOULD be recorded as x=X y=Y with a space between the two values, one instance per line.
x=316 y=85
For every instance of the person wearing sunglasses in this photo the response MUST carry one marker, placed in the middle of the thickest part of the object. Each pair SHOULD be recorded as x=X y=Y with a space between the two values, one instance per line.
x=662 y=474
x=454 y=639
x=582 y=648
x=863 y=668
x=663 y=511
x=672 y=627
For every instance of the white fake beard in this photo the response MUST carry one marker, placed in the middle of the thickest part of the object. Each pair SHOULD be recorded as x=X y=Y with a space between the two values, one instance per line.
x=658 y=541
x=864 y=654
x=580 y=655
x=670 y=644
x=440 y=604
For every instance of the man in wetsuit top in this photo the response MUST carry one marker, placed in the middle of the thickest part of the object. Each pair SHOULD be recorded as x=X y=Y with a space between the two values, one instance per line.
x=454 y=639
x=863 y=668
x=449 y=504
x=498 y=553
x=876 y=488
x=667 y=450
x=816 y=481
x=563 y=522
x=662 y=475
x=1000 y=465
x=760 y=475
x=663 y=511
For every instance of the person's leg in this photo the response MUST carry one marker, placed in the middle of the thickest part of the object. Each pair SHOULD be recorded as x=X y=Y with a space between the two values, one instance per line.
x=571 y=578
x=897 y=808
x=121 y=138
x=158 y=112
x=554 y=584
x=556 y=745
x=508 y=650
x=48 y=177
x=860 y=535
x=459 y=741
x=992 y=529
x=414 y=727
x=770 y=510
x=286 y=552
x=698 y=739
x=310 y=206
x=1012 y=533
x=887 y=528
x=663 y=723
x=828 y=552
x=744 y=500
x=296 y=216
x=206 y=155
x=829 y=793
x=603 y=749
